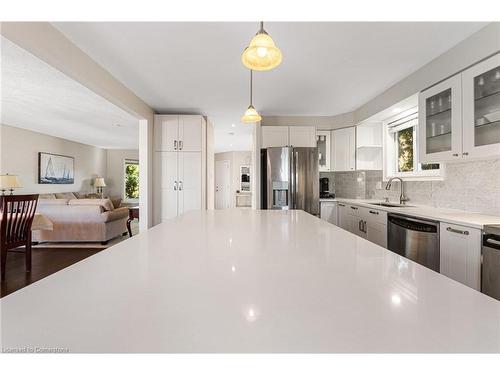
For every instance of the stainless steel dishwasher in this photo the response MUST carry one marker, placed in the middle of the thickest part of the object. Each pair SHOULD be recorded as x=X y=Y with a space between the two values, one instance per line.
x=490 y=269
x=415 y=239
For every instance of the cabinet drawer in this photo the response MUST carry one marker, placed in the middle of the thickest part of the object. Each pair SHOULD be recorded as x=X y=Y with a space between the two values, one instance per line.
x=374 y=215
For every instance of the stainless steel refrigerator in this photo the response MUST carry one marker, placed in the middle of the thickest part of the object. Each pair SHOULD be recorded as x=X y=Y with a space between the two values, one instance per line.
x=290 y=179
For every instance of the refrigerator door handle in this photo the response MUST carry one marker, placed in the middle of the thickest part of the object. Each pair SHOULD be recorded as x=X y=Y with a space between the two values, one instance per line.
x=295 y=177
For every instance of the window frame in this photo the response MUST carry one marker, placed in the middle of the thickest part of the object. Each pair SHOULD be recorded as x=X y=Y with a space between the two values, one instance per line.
x=390 y=158
x=124 y=193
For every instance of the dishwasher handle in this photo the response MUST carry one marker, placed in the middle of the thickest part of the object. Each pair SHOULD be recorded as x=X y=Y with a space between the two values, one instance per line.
x=491 y=241
x=413 y=224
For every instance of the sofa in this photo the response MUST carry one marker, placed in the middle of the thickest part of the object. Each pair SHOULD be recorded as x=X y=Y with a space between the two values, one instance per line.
x=80 y=220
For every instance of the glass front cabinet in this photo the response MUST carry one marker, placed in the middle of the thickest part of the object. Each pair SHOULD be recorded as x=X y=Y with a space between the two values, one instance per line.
x=460 y=117
x=481 y=109
x=440 y=121
x=323 y=142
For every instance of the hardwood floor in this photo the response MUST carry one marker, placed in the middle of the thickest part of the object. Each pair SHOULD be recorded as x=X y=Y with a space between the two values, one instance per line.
x=45 y=261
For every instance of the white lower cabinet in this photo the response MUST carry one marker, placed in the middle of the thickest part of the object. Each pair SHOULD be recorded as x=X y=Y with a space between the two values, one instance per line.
x=181 y=179
x=343 y=217
x=375 y=225
x=328 y=212
x=460 y=254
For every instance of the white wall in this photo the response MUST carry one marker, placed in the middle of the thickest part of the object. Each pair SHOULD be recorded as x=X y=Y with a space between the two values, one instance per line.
x=115 y=180
x=320 y=122
x=236 y=160
x=19 y=155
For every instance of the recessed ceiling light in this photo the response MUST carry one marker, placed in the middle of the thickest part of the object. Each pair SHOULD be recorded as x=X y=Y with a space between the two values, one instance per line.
x=231 y=145
x=233 y=125
x=396 y=109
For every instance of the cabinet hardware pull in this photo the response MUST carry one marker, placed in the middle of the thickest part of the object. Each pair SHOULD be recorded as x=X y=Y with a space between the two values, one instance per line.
x=181 y=145
x=354 y=208
x=341 y=205
x=465 y=232
x=454 y=154
x=373 y=212
x=175 y=185
x=465 y=153
x=175 y=145
x=181 y=185
x=364 y=226
x=359 y=225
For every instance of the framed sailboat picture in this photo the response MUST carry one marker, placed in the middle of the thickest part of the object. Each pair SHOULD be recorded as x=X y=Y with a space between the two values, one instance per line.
x=55 y=169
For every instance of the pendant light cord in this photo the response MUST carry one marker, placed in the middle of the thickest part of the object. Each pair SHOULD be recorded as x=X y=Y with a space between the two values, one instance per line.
x=251 y=84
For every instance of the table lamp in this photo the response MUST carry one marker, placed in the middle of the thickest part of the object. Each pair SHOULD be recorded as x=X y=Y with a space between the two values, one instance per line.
x=99 y=184
x=9 y=182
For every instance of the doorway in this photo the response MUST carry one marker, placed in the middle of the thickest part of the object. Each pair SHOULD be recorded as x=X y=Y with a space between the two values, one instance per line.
x=222 y=184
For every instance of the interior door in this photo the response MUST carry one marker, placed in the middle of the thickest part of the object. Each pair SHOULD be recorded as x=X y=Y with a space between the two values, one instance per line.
x=189 y=181
x=167 y=133
x=169 y=185
x=190 y=133
x=222 y=184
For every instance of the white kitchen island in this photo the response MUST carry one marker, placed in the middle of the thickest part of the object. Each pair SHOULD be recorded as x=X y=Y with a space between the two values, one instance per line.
x=249 y=281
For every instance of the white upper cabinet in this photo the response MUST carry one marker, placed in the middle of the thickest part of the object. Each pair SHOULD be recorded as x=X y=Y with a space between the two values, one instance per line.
x=343 y=150
x=324 y=150
x=166 y=133
x=275 y=136
x=481 y=109
x=190 y=135
x=440 y=121
x=460 y=117
x=302 y=136
x=369 y=146
x=178 y=133
x=460 y=254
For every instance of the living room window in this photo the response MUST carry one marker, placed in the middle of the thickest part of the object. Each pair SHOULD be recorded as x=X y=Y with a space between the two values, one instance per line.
x=131 y=178
x=401 y=150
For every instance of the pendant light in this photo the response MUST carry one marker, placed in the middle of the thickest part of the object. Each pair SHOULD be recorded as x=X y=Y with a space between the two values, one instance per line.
x=261 y=54
x=251 y=114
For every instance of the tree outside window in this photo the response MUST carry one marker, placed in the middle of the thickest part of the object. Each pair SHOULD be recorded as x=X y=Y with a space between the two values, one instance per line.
x=131 y=179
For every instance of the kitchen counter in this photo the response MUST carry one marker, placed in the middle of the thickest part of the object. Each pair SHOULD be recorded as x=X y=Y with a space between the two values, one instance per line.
x=249 y=281
x=458 y=217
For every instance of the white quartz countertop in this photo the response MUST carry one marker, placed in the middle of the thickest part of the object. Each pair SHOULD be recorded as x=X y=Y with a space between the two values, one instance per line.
x=249 y=281
x=470 y=219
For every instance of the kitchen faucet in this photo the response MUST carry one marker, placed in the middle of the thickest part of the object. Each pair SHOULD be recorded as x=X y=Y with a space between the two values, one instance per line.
x=402 y=198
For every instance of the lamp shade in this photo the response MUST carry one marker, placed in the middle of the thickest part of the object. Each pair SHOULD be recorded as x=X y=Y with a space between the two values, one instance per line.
x=251 y=115
x=99 y=182
x=261 y=54
x=9 y=181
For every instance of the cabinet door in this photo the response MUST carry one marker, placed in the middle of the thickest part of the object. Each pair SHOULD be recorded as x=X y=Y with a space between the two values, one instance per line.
x=323 y=144
x=343 y=217
x=302 y=136
x=329 y=212
x=275 y=136
x=189 y=181
x=166 y=133
x=440 y=122
x=169 y=185
x=190 y=133
x=481 y=109
x=343 y=149
x=375 y=225
x=460 y=254
x=356 y=221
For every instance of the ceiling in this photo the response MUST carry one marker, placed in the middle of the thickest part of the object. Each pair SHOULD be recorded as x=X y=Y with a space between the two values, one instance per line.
x=35 y=96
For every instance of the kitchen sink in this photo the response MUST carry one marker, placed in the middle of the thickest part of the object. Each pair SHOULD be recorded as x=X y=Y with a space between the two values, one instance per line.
x=388 y=204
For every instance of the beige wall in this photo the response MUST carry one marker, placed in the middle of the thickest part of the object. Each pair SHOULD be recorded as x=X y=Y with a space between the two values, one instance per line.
x=115 y=180
x=19 y=155
x=236 y=160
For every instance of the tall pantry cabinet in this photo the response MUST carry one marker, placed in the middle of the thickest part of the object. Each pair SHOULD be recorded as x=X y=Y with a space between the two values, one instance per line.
x=180 y=165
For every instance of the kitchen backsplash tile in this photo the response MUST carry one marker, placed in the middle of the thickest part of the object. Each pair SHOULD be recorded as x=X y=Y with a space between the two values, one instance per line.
x=470 y=186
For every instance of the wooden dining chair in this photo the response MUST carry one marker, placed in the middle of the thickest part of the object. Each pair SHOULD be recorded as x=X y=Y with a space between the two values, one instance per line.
x=16 y=215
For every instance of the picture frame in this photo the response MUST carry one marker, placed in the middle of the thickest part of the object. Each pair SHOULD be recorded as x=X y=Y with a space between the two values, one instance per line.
x=56 y=169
